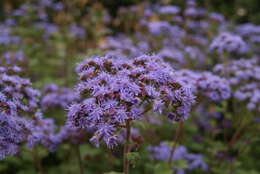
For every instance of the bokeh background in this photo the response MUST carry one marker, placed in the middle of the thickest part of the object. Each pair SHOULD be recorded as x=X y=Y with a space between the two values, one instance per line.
x=51 y=36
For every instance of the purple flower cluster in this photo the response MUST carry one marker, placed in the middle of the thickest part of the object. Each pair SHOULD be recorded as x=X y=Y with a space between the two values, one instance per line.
x=42 y=131
x=50 y=4
x=227 y=42
x=172 y=55
x=240 y=71
x=6 y=36
x=17 y=94
x=122 y=46
x=181 y=40
x=217 y=17
x=168 y=45
x=249 y=31
x=244 y=77
x=162 y=152
x=116 y=90
x=13 y=131
x=162 y=27
x=21 y=11
x=11 y=59
x=77 y=31
x=21 y=122
x=194 y=53
x=47 y=28
x=169 y=10
x=17 y=98
x=53 y=96
x=251 y=93
x=194 y=12
x=205 y=84
x=39 y=7
x=71 y=135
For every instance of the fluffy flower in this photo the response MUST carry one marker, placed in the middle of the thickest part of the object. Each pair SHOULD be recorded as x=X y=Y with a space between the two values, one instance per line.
x=227 y=42
x=244 y=78
x=53 y=96
x=205 y=84
x=118 y=90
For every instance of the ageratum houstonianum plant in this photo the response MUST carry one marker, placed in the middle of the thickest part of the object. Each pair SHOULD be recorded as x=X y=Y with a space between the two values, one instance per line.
x=16 y=97
x=118 y=94
x=227 y=42
x=205 y=84
x=244 y=78
x=54 y=96
x=20 y=119
x=115 y=92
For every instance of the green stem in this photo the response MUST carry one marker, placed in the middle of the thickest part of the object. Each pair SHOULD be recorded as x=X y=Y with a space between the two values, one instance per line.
x=127 y=146
x=241 y=125
x=79 y=159
x=37 y=161
x=176 y=139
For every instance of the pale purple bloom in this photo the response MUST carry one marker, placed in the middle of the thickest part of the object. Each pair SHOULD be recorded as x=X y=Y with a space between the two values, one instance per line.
x=170 y=9
x=77 y=31
x=20 y=122
x=53 y=96
x=47 y=28
x=120 y=91
x=244 y=77
x=58 y=6
x=163 y=150
x=6 y=36
x=227 y=42
x=205 y=83
x=216 y=17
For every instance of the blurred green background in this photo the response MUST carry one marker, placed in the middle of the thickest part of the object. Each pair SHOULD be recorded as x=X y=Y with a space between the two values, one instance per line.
x=239 y=10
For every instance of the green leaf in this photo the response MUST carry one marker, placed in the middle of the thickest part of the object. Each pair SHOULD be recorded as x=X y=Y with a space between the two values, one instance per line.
x=163 y=168
x=133 y=158
x=180 y=164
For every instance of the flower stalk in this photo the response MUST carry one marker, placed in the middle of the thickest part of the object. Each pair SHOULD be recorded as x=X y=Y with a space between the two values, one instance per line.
x=176 y=139
x=81 y=167
x=127 y=146
x=37 y=161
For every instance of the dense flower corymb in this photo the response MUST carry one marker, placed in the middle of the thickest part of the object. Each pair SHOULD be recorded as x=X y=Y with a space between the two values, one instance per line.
x=227 y=42
x=116 y=90
x=205 y=84
x=17 y=98
x=16 y=93
x=13 y=131
x=20 y=120
x=55 y=96
x=244 y=77
x=162 y=152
